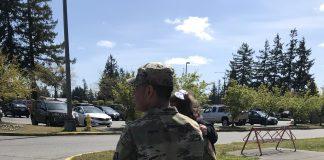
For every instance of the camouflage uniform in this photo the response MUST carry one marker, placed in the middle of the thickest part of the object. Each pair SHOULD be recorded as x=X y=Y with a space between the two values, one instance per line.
x=162 y=133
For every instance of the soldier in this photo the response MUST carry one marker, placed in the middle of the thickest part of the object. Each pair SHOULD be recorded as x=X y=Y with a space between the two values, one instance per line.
x=162 y=133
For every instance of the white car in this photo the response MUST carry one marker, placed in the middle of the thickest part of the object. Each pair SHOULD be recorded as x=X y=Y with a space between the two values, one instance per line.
x=97 y=116
x=220 y=114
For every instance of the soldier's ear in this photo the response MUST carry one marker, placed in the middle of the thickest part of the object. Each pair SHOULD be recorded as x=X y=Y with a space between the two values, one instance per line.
x=149 y=91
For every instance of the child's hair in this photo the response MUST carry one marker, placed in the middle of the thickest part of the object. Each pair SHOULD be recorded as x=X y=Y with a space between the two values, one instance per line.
x=187 y=106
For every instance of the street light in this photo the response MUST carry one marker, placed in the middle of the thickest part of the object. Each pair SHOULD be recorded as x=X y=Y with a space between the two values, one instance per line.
x=187 y=67
x=69 y=124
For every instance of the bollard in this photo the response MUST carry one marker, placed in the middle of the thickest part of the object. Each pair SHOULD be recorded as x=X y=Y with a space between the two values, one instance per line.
x=88 y=123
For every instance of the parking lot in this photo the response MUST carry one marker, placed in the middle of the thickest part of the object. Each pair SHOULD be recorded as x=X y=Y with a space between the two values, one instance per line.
x=24 y=120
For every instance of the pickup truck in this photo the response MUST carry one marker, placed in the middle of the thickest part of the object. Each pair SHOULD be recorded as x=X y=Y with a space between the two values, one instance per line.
x=220 y=114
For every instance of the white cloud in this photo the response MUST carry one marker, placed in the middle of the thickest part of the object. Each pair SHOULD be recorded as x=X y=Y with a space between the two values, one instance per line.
x=193 y=60
x=198 y=26
x=321 y=45
x=105 y=43
x=321 y=7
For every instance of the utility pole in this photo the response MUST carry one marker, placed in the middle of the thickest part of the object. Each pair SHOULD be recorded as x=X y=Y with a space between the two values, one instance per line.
x=69 y=123
x=187 y=67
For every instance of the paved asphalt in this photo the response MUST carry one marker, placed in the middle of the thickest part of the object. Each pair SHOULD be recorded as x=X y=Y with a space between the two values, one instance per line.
x=60 y=147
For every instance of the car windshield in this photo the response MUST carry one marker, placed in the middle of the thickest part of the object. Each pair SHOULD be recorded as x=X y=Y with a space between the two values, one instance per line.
x=91 y=109
x=262 y=114
x=108 y=109
x=56 y=106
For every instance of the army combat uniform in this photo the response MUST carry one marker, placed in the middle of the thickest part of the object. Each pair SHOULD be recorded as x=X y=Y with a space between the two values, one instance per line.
x=162 y=134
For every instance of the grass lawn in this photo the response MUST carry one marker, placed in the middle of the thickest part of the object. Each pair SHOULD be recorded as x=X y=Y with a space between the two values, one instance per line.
x=31 y=129
x=313 y=144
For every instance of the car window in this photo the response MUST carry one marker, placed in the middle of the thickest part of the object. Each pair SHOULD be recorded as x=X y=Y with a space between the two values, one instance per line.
x=109 y=109
x=207 y=110
x=56 y=106
x=214 y=109
x=91 y=109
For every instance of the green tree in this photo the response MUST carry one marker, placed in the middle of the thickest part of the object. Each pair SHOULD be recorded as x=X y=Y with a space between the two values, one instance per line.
x=191 y=83
x=276 y=55
x=12 y=83
x=108 y=79
x=261 y=74
x=303 y=66
x=241 y=66
x=78 y=94
x=10 y=13
x=213 y=95
x=239 y=98
x=288 y=66
x=38 y=35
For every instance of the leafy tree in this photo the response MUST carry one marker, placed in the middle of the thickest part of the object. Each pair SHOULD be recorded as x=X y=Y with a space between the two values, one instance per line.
x=191 y=83
x=239 y=98
x=43 y=91
x=52 y=76
x=12 y=83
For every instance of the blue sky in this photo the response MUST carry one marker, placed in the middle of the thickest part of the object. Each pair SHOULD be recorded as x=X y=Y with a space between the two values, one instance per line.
x=206 y=33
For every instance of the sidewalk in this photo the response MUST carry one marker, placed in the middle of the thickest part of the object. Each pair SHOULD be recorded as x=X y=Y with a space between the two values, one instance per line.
x=282 y=154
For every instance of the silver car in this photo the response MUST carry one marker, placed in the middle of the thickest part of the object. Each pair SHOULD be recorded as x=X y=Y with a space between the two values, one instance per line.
x=97 y=116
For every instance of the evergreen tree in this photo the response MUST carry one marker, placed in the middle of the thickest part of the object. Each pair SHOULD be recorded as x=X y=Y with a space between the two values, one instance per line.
x=243 y=62
x=276 y=55
x=261 y=75
x=213 y=95
x=312 y=88
x=232 y=73
x=287 y=70
x=91 y=96
x=108 y=80
x=303 y=66
x=78 y=94
x=37 y=34
x=10 y=13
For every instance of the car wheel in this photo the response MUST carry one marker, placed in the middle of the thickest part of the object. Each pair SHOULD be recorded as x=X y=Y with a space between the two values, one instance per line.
x=34 y=122
x=225 y=122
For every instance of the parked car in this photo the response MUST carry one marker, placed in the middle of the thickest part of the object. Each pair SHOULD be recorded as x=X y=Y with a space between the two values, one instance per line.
x=259 y=117
x=50 y=112
x=120 y=109
x=97 y=116
x=1 y=114
x=220 y=114
x=110 y=112
x=15 y=109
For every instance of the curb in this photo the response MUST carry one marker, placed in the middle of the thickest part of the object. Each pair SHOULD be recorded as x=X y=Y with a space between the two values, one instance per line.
x=70 y=158
x=60 y=134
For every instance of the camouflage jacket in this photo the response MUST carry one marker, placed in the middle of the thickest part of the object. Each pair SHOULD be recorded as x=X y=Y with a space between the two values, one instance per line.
x=162 y=134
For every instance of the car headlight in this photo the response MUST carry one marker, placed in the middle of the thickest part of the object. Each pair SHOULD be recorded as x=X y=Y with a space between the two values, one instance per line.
x=75 y=115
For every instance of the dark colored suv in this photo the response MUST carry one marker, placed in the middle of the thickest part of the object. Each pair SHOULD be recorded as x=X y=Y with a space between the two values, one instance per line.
x=110 y=112
x=49 y=112
x=15 y=109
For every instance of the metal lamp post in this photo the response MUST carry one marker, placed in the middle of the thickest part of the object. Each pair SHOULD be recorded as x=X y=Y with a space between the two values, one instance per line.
x=69 y=124
x=187 y=67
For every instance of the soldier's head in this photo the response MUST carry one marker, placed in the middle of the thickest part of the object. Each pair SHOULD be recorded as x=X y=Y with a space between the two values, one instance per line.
x=153 y=86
